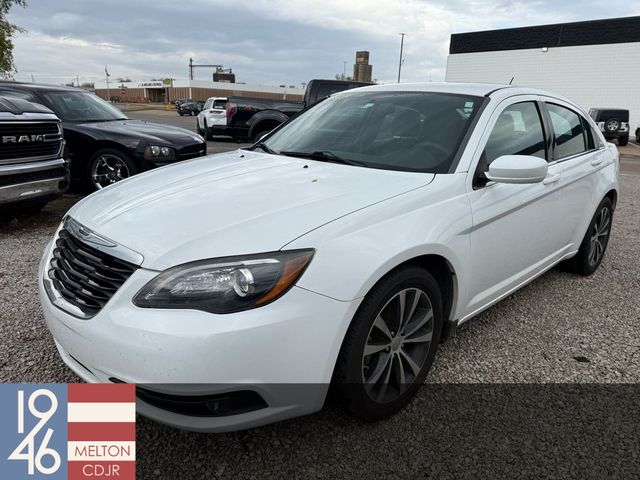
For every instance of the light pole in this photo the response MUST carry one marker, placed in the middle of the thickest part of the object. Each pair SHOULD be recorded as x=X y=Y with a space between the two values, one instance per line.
x=344 y=69
x=400 y=61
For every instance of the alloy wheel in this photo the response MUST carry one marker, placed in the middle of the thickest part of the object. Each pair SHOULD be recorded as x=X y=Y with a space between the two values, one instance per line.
x=108 y=169
x=599 y=235
x=398 y=345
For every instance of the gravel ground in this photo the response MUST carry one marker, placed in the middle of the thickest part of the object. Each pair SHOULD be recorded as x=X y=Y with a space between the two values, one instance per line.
x=580 y=336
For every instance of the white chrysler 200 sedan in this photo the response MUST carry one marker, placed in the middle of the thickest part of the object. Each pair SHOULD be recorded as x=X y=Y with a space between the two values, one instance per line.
x=339 y=250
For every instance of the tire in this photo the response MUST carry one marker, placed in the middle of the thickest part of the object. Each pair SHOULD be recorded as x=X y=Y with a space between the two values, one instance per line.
x=357 y=377
x=116 y=166
x=612 y=125
x=622 y=141
x=208 y=134
x=638 y=137
x=259 y=133
x=181 y=114
x=586 y=261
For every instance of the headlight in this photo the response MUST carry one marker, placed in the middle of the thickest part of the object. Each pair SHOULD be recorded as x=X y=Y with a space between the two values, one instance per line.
x=225 y=285
x=157 y=152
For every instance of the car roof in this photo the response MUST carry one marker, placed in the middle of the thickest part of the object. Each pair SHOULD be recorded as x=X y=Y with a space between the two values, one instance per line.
x=216 y=98
x=473 y=89
x=39 y=86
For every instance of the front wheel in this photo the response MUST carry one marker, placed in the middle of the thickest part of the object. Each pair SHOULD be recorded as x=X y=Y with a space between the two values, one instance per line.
x=390 y=345
x=108 y=166
x=595 y=241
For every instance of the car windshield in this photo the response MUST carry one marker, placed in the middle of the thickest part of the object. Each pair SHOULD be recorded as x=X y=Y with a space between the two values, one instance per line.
x=411 y=131
x=81 y=107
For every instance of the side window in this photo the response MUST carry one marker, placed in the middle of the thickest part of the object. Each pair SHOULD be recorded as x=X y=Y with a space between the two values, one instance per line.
x=568 y=131
x=207 y=105
x=518 y=131
x=19 y=94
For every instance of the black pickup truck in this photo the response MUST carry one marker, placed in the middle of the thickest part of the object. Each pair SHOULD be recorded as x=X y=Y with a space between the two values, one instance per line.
x=251 y=118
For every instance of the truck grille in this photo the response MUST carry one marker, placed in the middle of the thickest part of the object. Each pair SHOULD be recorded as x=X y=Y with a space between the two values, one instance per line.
x=85 y=276
x=48 y=144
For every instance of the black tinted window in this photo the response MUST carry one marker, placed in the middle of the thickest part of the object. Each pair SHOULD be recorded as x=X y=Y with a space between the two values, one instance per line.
x=81 y=106
x=413 y=131
x=19 y=94
x=568 y=130
x=220 y=104
x=518 y=131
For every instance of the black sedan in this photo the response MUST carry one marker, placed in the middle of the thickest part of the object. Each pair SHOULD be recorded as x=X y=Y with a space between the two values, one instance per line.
x=104 y=146
x=190 y=108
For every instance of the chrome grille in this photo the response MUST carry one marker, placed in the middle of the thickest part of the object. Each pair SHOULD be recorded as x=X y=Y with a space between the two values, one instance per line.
x=48 y=147
x=85 y=276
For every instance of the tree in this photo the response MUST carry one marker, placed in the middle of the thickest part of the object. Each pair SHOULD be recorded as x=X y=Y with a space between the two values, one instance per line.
x=342 y=76
x=7 y=30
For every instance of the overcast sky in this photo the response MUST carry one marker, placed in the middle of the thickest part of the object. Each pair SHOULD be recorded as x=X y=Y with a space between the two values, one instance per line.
x=265 y=41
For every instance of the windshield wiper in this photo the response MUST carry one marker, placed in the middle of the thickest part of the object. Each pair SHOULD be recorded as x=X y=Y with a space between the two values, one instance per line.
x=324 y=156
x=263 y=147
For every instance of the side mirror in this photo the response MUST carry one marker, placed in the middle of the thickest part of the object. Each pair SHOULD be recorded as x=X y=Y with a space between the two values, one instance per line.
x=517 y=169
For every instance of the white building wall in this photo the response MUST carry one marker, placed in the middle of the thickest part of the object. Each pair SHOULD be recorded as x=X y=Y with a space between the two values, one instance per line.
x=591 y=75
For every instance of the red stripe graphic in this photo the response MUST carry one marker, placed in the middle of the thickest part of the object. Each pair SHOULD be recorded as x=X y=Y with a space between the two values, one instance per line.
x=101 y=432
x=101 y=470
x=102 y=392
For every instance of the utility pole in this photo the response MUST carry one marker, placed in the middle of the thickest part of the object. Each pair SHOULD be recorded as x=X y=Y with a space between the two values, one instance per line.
x=400 y=61
x=344 y=70
x=77 y=81
x=32 y=80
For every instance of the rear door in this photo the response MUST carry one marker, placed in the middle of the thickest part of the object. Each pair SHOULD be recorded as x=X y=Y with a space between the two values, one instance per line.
x=515 y=227
x=580 y=153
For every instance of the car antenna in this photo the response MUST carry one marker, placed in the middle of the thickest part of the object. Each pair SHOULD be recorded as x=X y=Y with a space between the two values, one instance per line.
x=511 y=81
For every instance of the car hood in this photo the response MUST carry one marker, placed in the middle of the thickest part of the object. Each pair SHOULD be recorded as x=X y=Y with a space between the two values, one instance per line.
x=234 y=203
x=146 y=132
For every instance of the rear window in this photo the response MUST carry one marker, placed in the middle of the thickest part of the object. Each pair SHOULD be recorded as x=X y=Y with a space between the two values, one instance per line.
x=220 y=104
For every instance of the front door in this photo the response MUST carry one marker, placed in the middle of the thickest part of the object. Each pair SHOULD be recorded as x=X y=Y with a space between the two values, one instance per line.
x=514 y=233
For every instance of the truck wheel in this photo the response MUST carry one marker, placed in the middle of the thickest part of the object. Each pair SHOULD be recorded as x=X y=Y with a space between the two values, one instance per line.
x=612 y=125
x=390 y=345
x=622 y=141
x=208 y=134
x=106 y=167
x=260 y=132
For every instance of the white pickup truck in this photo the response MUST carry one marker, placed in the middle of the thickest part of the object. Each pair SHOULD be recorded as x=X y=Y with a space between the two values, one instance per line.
x=212 y=120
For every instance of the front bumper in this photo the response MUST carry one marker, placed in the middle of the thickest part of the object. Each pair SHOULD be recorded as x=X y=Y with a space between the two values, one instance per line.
x=284 y=351
x=33 y=180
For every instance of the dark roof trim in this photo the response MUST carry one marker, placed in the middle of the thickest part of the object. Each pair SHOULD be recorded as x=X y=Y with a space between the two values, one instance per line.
x=592 y=32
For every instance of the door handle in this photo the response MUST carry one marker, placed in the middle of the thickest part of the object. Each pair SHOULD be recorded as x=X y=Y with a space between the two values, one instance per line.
x=596 y=161
x=551 y=179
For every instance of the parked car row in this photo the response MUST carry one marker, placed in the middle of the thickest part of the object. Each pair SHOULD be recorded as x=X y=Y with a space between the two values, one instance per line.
x=102 y=146
x=251 y=118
